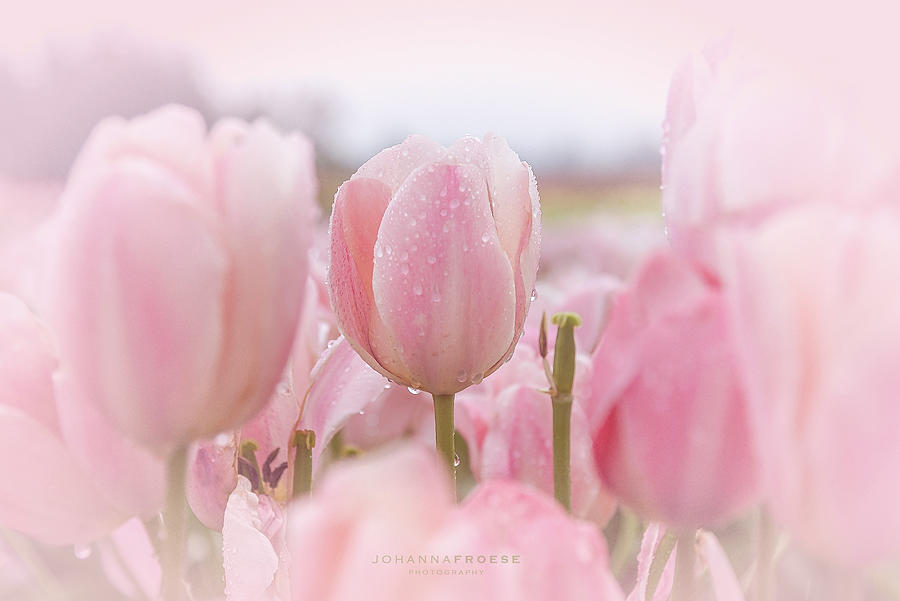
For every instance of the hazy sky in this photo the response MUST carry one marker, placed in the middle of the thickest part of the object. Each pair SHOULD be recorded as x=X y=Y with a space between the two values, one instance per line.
x=583 y=81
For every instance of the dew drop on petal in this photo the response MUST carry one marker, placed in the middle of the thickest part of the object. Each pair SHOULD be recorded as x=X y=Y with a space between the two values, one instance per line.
x=485 y=237
x=387 y=386
x=533 y=294
x=417 y=288
x=462 y=376
x=456 y=460
x=82 y=551
x=431 y=259
x=477 y=378
x=413 y=390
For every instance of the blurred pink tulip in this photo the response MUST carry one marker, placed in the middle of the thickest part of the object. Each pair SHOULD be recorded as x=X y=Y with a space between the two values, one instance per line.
x=179 y=269
x=398 y=505
x=819 y=335
x=745 y=139
x=52 y=441
x=671 y=427
x=434 y=256
x=213 y=463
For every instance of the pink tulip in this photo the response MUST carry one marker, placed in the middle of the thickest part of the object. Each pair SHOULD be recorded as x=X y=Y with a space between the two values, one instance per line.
x=398 y=504
x=213 y=464
x=434 y=255
x=672 y=437
x=179 y=271
x=53 y=441
x=745 y=139
x=819 y=335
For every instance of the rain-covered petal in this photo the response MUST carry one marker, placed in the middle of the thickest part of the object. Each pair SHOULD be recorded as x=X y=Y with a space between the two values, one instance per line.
x=444 y=288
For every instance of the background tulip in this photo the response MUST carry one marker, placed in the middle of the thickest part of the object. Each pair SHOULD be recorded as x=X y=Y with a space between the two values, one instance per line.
x=179 y=271
x=397 y=503
x=50 y=438
x=434 y=255
x=818 y=335
x=672 y=433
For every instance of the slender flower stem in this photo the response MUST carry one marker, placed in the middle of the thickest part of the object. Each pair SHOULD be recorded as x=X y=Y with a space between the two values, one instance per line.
x=444 y=432
x=561 y=397
x=683 y=587
x=562 y=425
x=174 y=526
x=304 y=441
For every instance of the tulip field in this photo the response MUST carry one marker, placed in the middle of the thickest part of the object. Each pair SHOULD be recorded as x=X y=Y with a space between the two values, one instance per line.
x=231 y=370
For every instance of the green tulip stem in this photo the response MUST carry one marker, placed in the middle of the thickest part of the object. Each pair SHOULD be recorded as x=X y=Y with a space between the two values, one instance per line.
x=444 y=433
x=561 y=399
x=304 y=442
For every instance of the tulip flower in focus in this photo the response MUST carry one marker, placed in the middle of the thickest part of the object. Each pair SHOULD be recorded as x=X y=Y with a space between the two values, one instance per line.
x=177 y=278
x=672 y=434
x=434 y=255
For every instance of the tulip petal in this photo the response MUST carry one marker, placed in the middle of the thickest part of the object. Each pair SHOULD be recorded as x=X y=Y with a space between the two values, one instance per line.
x=129 y=477
x=26 y=363
x=33 y=459
x=129 y=561
x=138 y=281
x=268 y=271
x=343 y=385
x=173 y=136
x=250 y=560
x=724 y=582
x=358 y=209
x=444 y=288
x=212 y=476
x=653 y=535
x=393 y=165
x=516 y=208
